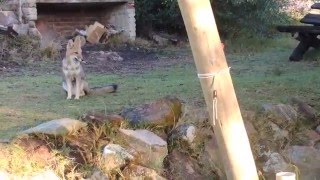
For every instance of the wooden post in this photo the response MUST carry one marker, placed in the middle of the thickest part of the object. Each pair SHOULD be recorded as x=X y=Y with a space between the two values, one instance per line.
x=209 y=58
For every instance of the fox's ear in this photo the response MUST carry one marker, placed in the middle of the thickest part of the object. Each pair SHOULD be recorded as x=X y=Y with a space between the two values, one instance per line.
x=69 y=47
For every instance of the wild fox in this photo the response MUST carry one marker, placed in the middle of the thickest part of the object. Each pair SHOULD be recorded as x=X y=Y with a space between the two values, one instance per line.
x=74 y=77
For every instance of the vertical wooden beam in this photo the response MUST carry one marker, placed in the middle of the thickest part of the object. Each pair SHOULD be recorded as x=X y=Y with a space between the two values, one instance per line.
x=209 y=58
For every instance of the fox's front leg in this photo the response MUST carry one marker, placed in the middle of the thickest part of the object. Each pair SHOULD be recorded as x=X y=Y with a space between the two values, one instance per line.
x=69 y=88
x=78 y=88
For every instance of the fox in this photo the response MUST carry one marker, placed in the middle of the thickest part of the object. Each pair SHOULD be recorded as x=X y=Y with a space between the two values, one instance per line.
x=74 y=83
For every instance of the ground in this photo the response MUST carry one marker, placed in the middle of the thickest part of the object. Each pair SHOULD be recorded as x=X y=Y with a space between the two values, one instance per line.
x=31 y=93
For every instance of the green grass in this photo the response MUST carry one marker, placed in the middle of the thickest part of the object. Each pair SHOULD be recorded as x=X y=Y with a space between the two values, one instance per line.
x=261 y=74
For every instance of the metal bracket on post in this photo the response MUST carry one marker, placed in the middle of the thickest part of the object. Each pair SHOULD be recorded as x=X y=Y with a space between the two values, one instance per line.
x=214 y=92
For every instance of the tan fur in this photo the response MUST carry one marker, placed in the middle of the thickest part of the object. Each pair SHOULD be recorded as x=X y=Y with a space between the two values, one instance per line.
x=72 y=69
x=74 y=77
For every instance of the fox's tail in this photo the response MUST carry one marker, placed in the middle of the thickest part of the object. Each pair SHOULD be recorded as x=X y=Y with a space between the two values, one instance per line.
x=94 y=91
x=103 y=90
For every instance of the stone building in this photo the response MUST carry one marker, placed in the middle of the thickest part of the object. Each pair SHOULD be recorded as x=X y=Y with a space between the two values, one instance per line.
x=64 y=16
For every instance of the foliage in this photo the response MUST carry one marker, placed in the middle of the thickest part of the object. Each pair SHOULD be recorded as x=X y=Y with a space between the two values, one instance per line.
x=233 y=16
x=158 y=15
x=254 y=16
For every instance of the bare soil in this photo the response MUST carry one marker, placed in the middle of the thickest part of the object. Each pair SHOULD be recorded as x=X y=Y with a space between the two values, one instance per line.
x=135 y=60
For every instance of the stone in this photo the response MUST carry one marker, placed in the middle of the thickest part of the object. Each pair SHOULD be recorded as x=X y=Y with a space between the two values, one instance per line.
x=117 y=149
x=115 y=157
x=308 y=137
x=98 y=175
x=160 y=40
x=305 y=109
x=182 y=137
x=30 y=14
x=195 y=114
x=275 y=164
x=251 y=131
x=59 y=127
x=211 y=157
x=8 y=18
x=21 y=29
x=285 y=112
x=99 y=118
x=182 y=166
x=29 y=4
x=139 y=172
x=278 y=133
x=164 y=112
x=34 y=32
x=113 y=56
x=317 y=145
x=151 y=148
x=48 y=175
x=38 y=149
x=318 y=129
x=307 y=159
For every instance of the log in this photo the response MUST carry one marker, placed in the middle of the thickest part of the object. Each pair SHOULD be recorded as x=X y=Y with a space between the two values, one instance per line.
x=313 y=19
x=302 y=29
x=209 y=58
x=315 y=6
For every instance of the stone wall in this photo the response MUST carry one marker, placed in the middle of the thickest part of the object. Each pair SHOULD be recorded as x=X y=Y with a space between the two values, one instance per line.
x=63 y=17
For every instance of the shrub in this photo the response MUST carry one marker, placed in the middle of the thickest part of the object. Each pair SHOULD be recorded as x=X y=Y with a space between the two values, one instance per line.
x=233 y=16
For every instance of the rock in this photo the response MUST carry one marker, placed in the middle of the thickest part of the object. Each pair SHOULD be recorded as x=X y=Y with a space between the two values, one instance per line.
x=99 y=118
x=133 y=172
x=317 y=145
x=195 y=114
x=151 y=148
x=164 y=112
x=48 y=175
x=275 y=164
x=278 y=133
x=285 y=112
x=34 y=32
x=211 y=157
x=115 y=157
x=21 y=29
x=98 y=175
x=110 y=56
x=305 y=109
x=318 y=129
x=30 y=14
x=160 y=40
x=307 y=159
x=182 y=166
x=59 y=127
x=29 y=3
x=251 y=131
x=38 y=149
x=182 y=137
x=8 y=18
x=4 y=175
x=117 y=149
x=308 y=137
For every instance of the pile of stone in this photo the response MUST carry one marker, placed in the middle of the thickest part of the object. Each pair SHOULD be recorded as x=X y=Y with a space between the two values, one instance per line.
x=98 y=33
x=18 y=18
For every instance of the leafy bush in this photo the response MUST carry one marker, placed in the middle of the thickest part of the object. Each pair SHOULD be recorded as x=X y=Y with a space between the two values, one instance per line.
x=233 y=16
x=160 y=15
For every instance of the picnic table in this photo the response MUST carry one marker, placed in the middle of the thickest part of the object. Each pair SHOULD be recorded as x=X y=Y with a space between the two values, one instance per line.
x=307 y=34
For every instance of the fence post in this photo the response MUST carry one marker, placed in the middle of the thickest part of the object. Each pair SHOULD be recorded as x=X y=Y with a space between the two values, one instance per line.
x=211 y=64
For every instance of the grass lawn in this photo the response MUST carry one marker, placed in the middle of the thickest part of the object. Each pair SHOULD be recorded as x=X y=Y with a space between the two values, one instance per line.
x=261 y=74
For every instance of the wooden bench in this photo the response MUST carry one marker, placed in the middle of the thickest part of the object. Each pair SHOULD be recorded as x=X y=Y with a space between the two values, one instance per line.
x=307 y=34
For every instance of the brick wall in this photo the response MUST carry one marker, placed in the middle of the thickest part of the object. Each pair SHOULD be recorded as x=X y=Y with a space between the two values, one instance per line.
x=63 y=19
